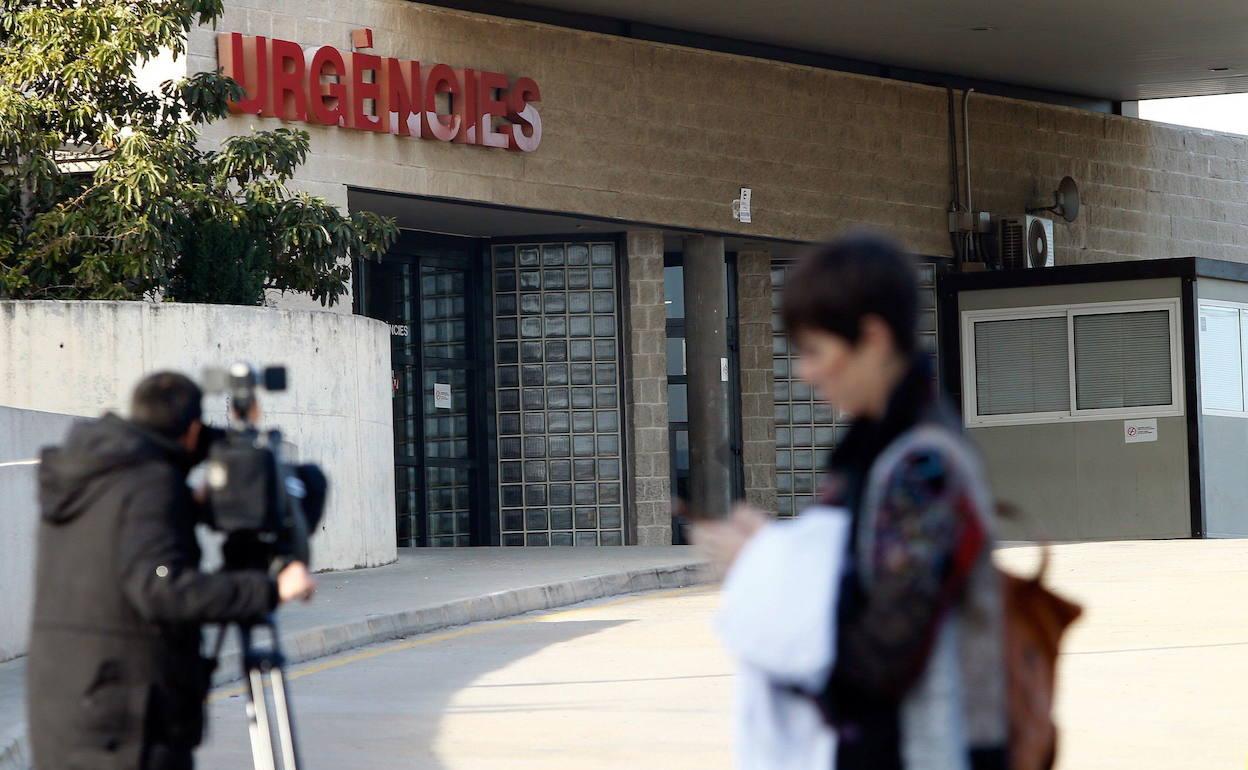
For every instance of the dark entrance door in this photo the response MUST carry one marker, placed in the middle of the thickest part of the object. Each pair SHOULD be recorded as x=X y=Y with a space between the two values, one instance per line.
x=429 y=289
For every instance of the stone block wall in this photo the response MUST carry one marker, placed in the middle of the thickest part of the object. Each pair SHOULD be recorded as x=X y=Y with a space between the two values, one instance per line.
x=650 y=480
x=758 y=424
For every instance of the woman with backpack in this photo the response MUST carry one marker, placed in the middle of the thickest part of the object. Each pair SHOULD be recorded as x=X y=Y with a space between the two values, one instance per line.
x=917 y=676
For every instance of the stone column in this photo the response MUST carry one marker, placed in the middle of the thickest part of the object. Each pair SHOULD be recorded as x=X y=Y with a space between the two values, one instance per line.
x=649 y=483
x=706 y=339
x=758 y=403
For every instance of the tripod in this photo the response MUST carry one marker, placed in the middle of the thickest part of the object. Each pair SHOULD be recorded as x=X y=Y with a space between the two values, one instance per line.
x=257 y=664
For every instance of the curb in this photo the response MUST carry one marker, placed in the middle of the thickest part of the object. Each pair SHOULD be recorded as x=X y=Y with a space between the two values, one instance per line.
x=303 y=646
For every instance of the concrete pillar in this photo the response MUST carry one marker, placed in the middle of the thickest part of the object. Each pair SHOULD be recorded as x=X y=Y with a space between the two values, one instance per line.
x=649 y=480
x=758 y=395
x=706 y=340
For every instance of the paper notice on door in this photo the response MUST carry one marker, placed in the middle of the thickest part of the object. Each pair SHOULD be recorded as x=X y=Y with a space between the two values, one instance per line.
x=441 y=395
x=1139 y=431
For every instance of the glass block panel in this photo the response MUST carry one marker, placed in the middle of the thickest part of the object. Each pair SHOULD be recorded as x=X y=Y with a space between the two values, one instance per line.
x=582 y=374
x=582 y=422
x=531 y=352
x=604 y=302
x=533 y=399
x=513 y=520
x=585 y=518
x=559 y=409
x=555 y=303
x=558 y=422
x=561 y=518
x=557 y=327
x=582 y=398
x=606 y=397
x=537 y=519
x=556 y=374
x=532 y=375
x=583 y=446
x=581 y=350
x=560 y=494
x=604 y=350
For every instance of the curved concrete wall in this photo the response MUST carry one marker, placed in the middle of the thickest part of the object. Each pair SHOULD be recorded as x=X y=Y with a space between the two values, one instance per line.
x=82 y=358
x=22 y=433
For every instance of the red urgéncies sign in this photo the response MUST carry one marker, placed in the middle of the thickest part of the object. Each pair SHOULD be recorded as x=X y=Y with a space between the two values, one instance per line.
x=365 y=92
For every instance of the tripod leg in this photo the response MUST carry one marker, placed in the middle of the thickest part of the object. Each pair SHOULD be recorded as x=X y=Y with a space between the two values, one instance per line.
x=258 y=721
x=285 y=724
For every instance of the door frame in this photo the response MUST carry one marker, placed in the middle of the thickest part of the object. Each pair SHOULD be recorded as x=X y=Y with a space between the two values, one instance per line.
x=417 y=249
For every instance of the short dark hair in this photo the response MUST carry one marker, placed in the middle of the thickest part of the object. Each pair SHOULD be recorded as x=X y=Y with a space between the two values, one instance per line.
x=166 y=403
x=837 y=284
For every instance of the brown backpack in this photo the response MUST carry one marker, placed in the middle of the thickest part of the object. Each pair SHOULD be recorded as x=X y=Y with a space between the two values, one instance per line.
x=1035 y=620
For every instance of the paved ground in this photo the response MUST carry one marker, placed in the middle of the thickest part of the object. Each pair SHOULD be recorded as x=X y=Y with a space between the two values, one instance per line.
x=426 y=589
x=1153 y=679
x=617 y=685
x=1156 y=676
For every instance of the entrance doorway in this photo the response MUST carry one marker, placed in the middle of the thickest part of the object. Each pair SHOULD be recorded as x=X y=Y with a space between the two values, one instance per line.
x=427 y=289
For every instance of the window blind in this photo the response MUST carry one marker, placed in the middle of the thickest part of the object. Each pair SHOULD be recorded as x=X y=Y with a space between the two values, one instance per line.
x=1221 y=366
x=1122 y=360
x=1022 y=366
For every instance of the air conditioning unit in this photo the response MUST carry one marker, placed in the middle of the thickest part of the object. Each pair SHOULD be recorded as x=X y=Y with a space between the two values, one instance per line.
x=1025 y=242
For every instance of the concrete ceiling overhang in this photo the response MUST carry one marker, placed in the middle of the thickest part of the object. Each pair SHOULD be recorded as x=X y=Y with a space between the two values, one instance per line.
x=1118 y=50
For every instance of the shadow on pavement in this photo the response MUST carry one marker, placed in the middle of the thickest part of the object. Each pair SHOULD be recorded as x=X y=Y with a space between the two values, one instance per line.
x=384 y=711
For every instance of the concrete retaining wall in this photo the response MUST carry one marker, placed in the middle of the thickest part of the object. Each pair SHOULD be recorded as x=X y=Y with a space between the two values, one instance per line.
x=82 y=358
x=22 y=433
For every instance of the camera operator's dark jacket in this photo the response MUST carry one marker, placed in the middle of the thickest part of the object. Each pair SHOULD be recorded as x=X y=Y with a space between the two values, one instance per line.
x=115 y=647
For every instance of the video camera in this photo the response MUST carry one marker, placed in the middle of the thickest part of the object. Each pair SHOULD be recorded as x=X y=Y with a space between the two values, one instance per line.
x=266 y=507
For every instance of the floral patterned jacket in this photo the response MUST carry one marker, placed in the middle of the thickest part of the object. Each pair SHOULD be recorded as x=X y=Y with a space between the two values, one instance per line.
x=919 y=679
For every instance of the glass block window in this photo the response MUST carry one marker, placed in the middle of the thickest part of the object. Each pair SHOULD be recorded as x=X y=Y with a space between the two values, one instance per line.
x=558 y=391
x=807 y=429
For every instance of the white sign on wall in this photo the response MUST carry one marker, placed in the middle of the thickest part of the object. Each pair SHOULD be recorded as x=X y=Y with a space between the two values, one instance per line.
x=441 y=395
x=1139 y=431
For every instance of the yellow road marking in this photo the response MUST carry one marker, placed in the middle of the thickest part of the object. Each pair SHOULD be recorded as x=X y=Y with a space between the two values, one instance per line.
x=545 y=616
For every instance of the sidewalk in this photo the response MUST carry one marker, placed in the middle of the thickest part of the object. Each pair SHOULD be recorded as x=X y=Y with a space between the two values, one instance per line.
x=425 y=590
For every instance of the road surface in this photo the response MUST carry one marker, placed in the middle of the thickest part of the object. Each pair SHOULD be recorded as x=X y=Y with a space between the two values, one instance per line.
x=631 y=683
x=1154 y=678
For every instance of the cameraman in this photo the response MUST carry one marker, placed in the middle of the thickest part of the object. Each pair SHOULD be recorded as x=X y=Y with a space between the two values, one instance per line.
x=116 y=679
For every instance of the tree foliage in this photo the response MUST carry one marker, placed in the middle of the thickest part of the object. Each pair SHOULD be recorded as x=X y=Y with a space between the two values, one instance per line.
x=106 y=192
